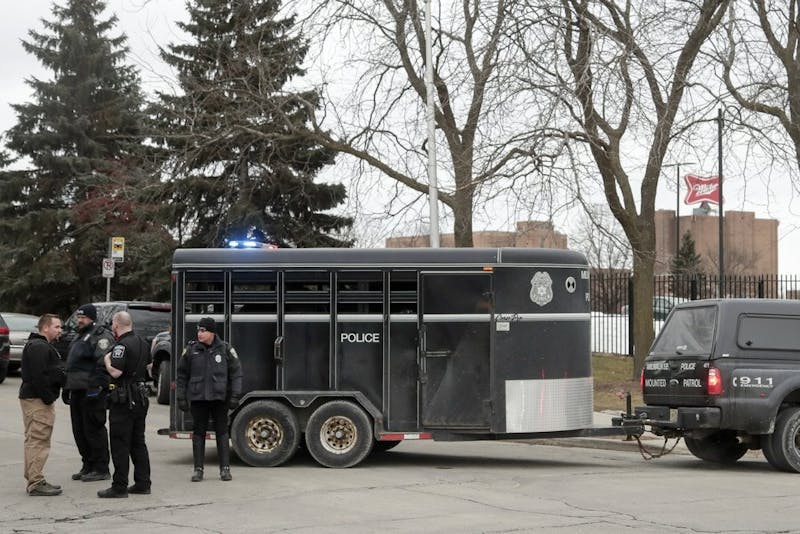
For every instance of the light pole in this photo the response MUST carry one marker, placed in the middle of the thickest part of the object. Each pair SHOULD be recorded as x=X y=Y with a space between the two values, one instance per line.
x=433 y=191
x=678 y=201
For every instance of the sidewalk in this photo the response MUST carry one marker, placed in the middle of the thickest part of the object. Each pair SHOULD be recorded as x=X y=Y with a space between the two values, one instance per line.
x=653 y=444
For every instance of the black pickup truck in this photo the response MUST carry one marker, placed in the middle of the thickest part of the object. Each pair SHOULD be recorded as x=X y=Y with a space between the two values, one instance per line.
x=725 y=376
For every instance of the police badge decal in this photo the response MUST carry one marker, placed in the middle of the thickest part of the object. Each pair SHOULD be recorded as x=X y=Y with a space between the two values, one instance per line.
x=541 y=288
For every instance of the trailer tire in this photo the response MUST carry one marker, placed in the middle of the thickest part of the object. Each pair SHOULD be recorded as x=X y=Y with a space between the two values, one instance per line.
x=162 y=393
x=383 y=446
x=265 y=433
x=339 y=434
x=786 y=440
x=720 y=448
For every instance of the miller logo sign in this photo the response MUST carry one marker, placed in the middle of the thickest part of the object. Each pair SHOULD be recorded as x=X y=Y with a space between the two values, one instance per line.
x=701 y=189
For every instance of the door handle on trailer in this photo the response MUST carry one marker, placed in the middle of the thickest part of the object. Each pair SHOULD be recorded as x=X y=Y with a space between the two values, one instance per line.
x=278 y=349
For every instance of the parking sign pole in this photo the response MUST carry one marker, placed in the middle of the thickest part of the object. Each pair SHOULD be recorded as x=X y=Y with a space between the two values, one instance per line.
x=108 y=280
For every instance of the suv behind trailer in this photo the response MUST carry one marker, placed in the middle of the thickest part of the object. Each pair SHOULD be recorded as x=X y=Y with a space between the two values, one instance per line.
x=355 y=350
x=725 y=376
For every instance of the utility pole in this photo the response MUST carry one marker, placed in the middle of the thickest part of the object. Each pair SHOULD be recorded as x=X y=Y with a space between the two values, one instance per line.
x=721 y=232
x=678 y=201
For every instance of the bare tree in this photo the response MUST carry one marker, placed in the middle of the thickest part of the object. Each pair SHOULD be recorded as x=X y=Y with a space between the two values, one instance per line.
x=618 y=72
x=761 y=63
x=601 y=239
x=375 y=98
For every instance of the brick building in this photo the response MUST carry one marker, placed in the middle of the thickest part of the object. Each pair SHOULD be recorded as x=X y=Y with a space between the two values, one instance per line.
x=531 y=234
x=751 y=244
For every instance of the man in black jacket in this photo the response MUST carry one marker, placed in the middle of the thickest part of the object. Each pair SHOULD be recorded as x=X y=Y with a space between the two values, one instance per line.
x=210 y=376
x=85 y=393
x=42 y=377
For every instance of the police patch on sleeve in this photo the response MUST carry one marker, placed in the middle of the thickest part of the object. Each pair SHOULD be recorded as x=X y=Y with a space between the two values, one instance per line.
x=233 y=353
x=118 y=352
x=103 y=344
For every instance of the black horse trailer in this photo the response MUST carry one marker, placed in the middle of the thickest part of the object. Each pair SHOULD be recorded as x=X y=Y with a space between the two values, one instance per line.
x=355 y=349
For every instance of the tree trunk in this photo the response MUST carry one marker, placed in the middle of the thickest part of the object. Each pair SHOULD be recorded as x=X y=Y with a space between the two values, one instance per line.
x=643 y=269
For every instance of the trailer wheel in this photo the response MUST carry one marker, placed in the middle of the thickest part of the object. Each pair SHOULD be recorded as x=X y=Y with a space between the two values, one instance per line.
x=162 y=393
x=265 y=433
x=383 y=446
x=721 y=447
x=339 y=434
x=786 y=440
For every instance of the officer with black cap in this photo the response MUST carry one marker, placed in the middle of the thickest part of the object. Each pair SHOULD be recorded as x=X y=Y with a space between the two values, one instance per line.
x=127 y=408
x=210 y=377
x=85 y=394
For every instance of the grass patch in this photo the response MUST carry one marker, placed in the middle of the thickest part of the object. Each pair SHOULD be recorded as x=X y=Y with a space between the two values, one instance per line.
x=612 y=379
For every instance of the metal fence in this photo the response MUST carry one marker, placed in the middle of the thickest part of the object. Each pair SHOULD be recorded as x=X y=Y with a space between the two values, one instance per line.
x=612 y=293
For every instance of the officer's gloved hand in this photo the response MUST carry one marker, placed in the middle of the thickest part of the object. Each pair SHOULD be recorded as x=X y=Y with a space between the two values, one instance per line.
x=183 y=405
x=65 y=396
x=233 y=402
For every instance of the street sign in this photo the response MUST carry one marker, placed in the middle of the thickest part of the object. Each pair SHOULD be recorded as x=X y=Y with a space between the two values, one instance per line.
x=108 y=268
x=118 y=249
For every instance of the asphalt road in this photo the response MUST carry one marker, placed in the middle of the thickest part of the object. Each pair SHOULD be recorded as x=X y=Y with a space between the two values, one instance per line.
x=417 y=487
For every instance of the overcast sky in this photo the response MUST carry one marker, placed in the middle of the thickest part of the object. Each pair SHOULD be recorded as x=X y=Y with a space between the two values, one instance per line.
x=150 y=23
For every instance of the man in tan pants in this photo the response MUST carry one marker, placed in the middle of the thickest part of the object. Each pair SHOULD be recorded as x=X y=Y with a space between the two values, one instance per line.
x=42 y=378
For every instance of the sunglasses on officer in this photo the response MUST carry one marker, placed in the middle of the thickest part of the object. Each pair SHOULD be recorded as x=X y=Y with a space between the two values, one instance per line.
x=201 y=329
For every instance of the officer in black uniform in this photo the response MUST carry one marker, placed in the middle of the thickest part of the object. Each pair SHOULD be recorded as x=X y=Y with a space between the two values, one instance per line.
x=85 y=393
x=210 y=376
x=127 y=400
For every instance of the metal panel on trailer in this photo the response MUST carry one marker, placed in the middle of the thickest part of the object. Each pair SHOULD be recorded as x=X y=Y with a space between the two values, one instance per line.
x=542 y=372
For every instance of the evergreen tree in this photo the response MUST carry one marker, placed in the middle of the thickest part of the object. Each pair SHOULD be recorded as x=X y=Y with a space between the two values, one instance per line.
x=686 y=267
x=235 y=169
x=78 y=140
x=687 y=262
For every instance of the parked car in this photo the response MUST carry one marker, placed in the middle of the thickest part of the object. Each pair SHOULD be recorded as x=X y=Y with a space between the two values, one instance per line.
x=149 y=318
x=5 y=347
x=161 y=351
x=20 y=326
x=662 y=305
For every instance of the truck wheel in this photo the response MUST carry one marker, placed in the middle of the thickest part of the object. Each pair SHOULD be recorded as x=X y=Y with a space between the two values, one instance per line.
x=721 y=447
x=768 y=450
x=786 y=440
x=265 y=433
x=162 y=394
x=339 y=434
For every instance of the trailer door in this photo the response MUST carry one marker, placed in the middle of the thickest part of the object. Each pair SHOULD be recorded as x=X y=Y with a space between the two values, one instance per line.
x=456 y=314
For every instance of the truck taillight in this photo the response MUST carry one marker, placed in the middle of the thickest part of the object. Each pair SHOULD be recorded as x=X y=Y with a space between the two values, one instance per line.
x=641 y=380
x=4 y=331
x=714 y=381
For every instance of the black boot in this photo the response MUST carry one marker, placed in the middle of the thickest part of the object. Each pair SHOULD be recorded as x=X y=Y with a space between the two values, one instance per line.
x=224 y=454
x=199 y=455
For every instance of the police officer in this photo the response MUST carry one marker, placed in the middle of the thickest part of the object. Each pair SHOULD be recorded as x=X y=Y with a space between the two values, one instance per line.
x=127 y=400
x=210 y=376
x=85 y=394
